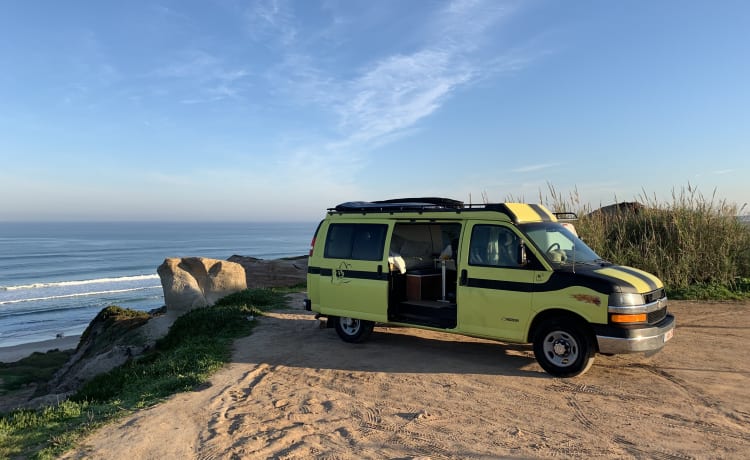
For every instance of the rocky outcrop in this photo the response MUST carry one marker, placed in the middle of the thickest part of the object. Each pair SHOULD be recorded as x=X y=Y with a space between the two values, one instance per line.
x=289 y=271
x=113 y=337
x=196 y=282
x=117 y=335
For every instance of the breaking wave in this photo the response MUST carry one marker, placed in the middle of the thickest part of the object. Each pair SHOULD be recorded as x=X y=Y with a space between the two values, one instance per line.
x=59 y=284
x=77 y=294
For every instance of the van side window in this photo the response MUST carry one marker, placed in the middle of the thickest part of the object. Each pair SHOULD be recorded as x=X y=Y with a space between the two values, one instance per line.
x=355 y=241
x=494 y=246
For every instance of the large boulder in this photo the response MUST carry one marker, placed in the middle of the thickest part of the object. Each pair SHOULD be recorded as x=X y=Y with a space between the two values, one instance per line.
x=196 y=282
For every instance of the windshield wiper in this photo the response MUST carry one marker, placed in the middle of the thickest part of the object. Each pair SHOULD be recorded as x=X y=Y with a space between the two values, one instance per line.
x=600 y=262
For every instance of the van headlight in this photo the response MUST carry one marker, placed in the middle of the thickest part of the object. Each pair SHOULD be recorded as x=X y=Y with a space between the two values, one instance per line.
x=625 y=299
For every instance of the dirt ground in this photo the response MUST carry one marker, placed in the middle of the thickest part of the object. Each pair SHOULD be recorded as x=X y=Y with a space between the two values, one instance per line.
x=295 y=390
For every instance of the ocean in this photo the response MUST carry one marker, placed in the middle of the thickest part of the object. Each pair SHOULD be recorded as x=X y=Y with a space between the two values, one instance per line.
x=55 y=277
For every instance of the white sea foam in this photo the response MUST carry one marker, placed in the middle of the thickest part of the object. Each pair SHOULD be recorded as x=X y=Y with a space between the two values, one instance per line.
x=121 y=279
x=79 y=294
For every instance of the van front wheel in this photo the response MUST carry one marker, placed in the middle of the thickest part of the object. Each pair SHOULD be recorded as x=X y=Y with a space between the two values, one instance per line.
x=353 y=330
x=563 y=348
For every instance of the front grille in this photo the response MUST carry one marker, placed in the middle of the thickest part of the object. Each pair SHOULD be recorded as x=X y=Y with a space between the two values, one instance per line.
x=656 y=316
x=653 y=296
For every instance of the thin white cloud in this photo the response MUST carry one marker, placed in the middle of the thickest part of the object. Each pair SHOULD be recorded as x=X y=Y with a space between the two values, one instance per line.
x=379 y=100
x=464 y=23
x=271 y=19
x=535 y=167
x=168 y=13
x=200 y=65
x=208 y=78
x=392 y=94
x=397 y=92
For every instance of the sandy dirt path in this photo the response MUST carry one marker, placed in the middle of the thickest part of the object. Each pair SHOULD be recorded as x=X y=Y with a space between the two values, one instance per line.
x=295 y=390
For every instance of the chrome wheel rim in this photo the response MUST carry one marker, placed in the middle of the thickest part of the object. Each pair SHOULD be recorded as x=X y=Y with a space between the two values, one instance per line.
x=561 y=348
x=350 y=326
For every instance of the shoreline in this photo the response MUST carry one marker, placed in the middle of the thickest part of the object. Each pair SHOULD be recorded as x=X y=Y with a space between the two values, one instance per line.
x=15 y=353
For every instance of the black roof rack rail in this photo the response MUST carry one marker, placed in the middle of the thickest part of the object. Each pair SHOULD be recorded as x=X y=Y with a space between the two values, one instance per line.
x=442 y=202
x=565 y=215
x=399 y=204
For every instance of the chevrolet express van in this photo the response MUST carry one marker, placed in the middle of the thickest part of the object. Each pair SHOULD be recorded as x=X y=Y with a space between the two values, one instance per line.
x=508 y=271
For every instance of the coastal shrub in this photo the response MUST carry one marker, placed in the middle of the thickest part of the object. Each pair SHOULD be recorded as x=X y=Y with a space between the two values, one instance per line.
x=36 y=368
x=113 y=325
x=696 y=245
x=198 y=343
x=268 y=298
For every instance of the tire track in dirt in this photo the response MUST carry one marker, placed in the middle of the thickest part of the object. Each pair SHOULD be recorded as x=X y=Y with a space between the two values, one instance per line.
x=706 y=427
x=582 y=415
x=705 y=402
x=226 y=401
x=297 y=392
x=636 y=451
x=413 y=429
x=251 y=402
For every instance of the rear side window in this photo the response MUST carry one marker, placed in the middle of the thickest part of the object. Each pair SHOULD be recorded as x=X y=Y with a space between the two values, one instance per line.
x=355 y=241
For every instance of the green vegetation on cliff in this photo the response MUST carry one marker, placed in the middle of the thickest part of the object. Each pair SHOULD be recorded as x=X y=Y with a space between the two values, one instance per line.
x=198 y=344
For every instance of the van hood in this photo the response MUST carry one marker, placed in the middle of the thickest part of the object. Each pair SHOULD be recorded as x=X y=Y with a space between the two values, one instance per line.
x=609 y=279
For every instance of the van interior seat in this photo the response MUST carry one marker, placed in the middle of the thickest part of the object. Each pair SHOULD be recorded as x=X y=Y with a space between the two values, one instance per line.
x=416 y=254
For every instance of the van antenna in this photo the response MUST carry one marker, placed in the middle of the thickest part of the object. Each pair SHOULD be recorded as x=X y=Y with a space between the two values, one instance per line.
x=574 y=257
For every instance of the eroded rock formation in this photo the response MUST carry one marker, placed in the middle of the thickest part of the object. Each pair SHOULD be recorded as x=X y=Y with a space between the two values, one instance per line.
x=196 y=282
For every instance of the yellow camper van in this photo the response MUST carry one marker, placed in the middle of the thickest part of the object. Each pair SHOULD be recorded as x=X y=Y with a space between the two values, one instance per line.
x=506 y=271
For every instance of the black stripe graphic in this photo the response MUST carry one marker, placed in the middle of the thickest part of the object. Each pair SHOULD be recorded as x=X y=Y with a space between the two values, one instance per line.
x=556 y=282
x=540 y=212
x=365 y=275
x=651 y=284
x=623 y=285
x=356 y=274
x=500 y=285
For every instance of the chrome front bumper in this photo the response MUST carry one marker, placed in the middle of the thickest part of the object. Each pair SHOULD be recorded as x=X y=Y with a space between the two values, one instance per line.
x=652 y=338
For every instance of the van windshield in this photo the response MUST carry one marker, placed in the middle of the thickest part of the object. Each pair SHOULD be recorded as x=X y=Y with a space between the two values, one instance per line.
x=558 y=244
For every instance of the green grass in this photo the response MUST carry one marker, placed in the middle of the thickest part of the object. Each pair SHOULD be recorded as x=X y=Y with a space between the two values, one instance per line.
x=197 y=345
x=37 y=368
x=739 y=290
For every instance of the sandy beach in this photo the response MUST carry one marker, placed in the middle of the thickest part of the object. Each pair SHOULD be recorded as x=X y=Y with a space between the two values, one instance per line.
x=14 y=353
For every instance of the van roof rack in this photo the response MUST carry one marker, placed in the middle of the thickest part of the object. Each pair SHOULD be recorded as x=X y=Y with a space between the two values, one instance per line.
x=517 y=212
x=399 y=204
x=562 y=216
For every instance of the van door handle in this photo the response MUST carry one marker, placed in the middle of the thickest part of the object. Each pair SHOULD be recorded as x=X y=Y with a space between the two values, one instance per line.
x=464 y=277
x=380 y=270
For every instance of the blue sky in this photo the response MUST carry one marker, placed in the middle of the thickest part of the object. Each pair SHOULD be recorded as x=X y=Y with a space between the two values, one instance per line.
x=276 y=110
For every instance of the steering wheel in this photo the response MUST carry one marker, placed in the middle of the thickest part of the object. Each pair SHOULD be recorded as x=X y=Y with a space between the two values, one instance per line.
x=556 y=253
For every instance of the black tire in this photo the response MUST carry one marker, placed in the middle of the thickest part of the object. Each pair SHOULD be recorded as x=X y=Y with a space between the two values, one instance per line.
x=563 y=347
x=353 y=330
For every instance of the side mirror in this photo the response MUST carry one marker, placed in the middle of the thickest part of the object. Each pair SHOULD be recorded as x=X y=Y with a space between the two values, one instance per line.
x=522 y=259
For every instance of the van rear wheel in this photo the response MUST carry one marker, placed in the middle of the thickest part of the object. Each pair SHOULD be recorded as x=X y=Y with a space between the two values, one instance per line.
x=563 y=347
x=353 y=330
